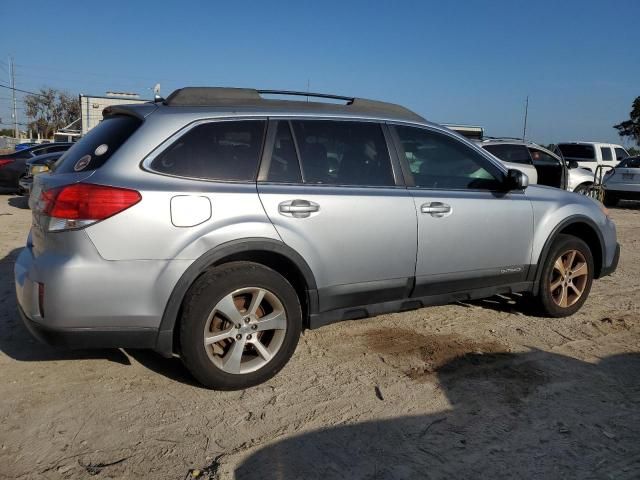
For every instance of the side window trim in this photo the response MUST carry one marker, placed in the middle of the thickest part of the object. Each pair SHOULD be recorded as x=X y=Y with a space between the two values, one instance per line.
x=163 y=146
x=409 y=180
x=269 y=146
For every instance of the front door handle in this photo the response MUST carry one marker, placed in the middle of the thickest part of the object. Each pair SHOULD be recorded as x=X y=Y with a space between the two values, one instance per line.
x=436 y=209
x=298 y=208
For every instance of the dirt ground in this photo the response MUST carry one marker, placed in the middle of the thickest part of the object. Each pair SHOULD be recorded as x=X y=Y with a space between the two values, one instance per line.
x=481 y=390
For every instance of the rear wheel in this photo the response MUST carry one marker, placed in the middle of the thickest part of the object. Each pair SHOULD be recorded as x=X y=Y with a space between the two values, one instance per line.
x=241 y=324
x=566 y=278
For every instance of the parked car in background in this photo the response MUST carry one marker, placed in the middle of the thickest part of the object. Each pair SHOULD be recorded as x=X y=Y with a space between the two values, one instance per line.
x=13 y=166
x=512 y=155
x=549 y=168
x=623 y=182
x=35 y=166
x=219 y=223
x=22 y=146
x=591 y=154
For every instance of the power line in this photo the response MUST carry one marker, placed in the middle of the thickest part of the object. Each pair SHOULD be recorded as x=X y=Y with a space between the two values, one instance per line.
x=23 y=91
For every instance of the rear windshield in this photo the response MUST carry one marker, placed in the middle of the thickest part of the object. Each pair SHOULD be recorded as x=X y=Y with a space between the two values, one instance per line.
x=578 y=152
x=97 y=146
x=630 y=162
x=510 y=153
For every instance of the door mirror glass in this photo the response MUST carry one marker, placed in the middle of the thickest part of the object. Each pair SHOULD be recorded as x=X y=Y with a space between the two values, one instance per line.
x=517 y=180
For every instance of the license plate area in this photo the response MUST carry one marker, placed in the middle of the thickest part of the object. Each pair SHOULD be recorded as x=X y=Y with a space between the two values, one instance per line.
x=627 y=176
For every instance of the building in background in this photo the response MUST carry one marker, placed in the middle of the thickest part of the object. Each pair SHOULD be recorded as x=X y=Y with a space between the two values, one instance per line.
x=470 y=131
x=91 y=107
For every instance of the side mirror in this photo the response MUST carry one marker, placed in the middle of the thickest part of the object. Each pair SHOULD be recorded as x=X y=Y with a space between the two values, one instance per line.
x=517 y=180
x=572 y=164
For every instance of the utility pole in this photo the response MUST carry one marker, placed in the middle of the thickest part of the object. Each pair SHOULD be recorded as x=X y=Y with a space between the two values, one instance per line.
x=13 y=91
x=526 y=111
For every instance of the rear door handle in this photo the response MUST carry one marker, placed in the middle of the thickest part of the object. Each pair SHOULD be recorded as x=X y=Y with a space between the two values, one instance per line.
x=298 y=208
x=436 y=209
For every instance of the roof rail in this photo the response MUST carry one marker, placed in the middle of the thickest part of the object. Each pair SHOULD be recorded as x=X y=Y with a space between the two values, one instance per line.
x=213 y=96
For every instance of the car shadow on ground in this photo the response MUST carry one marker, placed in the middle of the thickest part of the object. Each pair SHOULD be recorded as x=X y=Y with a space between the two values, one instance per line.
x=21 y=202
x=171 y=368
x=17 y=342
x=526 y=415
x=518 y=303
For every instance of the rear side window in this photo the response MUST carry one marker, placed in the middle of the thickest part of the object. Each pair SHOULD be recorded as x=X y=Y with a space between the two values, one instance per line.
x=343 y=153
x=510 y=153
x=606 y=153
x=621 y=153
x=97 y=146
x=215 y=151
x=582 y=153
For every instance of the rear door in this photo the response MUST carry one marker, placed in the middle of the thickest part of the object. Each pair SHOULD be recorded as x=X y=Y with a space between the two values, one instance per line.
x=471 y=233
x=342 y=207
x=606 y=156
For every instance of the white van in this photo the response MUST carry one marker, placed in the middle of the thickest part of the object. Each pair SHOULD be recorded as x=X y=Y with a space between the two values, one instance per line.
x=591 y=154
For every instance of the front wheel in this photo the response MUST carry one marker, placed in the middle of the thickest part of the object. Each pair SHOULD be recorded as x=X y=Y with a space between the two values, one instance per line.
x=582 y=189
x=566 y=278
x=240 y=325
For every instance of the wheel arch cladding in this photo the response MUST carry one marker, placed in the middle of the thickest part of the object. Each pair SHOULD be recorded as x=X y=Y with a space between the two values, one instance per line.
x=580 y=227
x=270 y=253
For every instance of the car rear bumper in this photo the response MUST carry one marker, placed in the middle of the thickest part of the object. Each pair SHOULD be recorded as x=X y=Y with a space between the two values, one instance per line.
x=89 y=302
x=90 y=337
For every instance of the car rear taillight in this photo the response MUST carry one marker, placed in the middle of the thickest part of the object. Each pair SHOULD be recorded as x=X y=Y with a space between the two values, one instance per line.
x=5 y=161
x=82 y=204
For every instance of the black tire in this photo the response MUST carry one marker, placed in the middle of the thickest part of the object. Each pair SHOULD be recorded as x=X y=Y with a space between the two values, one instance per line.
x=582 y=189
x=610 y=199
x=546 y=303
x=200 y=301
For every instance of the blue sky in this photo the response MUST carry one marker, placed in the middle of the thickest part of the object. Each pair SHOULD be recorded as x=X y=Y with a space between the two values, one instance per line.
x=464 y=62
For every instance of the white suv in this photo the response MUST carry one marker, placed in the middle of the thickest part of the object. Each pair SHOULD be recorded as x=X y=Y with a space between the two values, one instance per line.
x=591 y=154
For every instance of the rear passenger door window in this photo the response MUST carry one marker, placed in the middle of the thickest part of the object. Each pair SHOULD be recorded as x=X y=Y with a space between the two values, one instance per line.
x=224 y=150
x=606 y=154
x=284 y=166
x=343 y=153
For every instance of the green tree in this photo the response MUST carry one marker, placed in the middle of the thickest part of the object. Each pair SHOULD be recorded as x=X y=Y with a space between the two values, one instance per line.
x=6 y=132
x=631 y=127
x=51 y=110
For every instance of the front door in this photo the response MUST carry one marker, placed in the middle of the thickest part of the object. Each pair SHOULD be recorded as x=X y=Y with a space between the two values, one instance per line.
x=471 y=233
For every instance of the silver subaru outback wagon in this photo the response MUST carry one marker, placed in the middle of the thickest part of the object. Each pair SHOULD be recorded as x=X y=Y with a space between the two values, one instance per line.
x=218 y=223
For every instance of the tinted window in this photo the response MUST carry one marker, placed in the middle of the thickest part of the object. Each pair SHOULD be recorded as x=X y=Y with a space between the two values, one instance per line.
x=606 y=153
x=543 y=159
x=284 y=165
x=215 y=151
x=510 y=153
x=630 y=162
x=582 y=153
x=439 y=161
x=97 y=146
x=621 y=153
x=343 y=153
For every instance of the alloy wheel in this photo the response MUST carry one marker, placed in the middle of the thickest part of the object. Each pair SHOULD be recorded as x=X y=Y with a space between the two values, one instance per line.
x=245 y=330
x=568 y=278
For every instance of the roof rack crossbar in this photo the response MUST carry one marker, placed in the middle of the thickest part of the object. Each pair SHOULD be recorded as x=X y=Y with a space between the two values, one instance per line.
x=349 y=100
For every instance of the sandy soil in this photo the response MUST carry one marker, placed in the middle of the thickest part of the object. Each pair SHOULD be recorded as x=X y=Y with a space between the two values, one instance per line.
x=481 y=390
